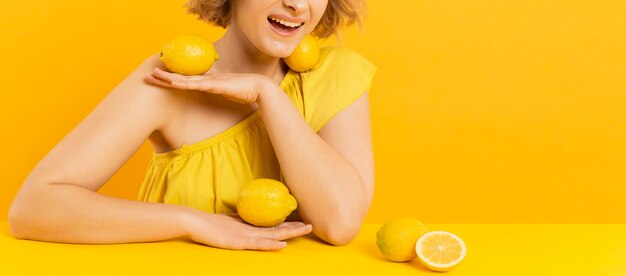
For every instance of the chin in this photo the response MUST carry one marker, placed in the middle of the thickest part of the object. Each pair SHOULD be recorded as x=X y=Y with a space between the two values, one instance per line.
x=279 y=49
x=282 y=54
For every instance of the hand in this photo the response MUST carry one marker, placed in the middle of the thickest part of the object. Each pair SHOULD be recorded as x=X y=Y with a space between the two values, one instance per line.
x=237 y=87
x=229 y=231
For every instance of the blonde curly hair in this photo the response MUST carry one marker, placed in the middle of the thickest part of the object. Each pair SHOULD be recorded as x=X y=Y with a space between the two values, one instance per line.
x=338 y=14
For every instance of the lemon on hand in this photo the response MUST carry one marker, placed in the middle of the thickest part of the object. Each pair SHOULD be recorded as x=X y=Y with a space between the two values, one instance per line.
x=265 y=202
x=305 y=56
x=440 y=250
x=189 y=55
x=396 y=239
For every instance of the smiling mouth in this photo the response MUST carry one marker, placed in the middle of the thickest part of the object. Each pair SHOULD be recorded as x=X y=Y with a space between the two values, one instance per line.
x=283 y=24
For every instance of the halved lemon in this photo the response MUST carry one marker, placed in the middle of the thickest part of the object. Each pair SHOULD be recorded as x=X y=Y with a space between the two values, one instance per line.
x=440 y=250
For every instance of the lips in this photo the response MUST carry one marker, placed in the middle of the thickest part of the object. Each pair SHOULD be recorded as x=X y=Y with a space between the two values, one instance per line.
x=285 y=22
x=284 y=28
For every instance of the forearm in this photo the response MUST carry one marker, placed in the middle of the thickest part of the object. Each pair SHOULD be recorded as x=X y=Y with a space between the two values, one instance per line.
x=72 y=214
x=329 y=190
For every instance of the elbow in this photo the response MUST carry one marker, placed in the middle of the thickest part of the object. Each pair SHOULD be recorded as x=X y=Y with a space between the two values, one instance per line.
x=341 y=237
x=342 y=228
x=16 y=222
x=339 y=232
x=22 y=216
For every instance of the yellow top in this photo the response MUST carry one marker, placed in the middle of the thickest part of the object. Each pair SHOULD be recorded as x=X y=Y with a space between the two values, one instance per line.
x=207 y=175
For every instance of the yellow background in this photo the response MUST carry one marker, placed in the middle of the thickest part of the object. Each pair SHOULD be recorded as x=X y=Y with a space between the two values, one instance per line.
x=482 y=110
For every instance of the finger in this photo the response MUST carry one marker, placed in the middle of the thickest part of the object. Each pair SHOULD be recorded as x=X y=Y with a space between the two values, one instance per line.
x=291 y=223
x=278 y=233
x=163 y=75
x=265 y=244
x=235 y=215
x=153 y=80
x=201 y=85
x=169 y=77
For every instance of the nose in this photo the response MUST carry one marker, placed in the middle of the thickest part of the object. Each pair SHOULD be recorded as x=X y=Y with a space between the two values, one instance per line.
x=298 y=6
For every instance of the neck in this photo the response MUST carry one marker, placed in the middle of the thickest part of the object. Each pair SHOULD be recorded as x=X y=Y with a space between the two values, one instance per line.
x=238 y=55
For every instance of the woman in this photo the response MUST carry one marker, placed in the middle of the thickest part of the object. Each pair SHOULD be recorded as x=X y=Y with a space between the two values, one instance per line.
x=248 y=117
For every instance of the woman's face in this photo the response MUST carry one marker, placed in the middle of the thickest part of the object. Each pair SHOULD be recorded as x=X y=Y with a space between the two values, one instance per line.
x=276 y=27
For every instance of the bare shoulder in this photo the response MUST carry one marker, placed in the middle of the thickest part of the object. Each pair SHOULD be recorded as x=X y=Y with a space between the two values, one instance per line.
x=157 y=93
x=154 y=104
x=110 y=134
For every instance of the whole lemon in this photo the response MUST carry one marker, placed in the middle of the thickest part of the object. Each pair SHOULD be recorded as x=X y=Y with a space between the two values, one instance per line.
x=265 y=202
x=396 y=239
x=189 y=55
x=305 y=56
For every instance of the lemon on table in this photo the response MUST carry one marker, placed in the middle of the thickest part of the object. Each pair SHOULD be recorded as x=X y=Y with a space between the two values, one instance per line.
x=396 y=239
x=305 y=56
x=265 y=202
x=440 y=250
x=189 y=55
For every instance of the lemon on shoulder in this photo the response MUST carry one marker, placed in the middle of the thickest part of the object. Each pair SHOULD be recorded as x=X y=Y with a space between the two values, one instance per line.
x=396 y=239
x=265 y=202
x=189 y=55
x=440 y=250
x=305 y=56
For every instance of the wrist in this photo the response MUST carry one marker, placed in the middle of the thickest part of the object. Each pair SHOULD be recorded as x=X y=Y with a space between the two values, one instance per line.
x=187 y=218
x=266 y=88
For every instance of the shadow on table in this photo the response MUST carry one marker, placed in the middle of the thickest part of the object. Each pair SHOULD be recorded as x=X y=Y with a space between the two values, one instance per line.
x=370 y=249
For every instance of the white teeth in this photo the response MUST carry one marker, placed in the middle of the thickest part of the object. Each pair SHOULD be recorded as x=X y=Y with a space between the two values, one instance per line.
x=286 y=23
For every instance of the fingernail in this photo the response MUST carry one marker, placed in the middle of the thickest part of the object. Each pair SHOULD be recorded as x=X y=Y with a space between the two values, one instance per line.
x=309 y=226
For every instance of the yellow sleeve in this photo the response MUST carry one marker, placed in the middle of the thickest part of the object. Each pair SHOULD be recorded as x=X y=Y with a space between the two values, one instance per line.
x=339 y=79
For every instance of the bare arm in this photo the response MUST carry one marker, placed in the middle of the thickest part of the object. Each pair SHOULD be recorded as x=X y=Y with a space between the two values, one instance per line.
x=58 y=200
x=72 y=214
x=330 y=173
